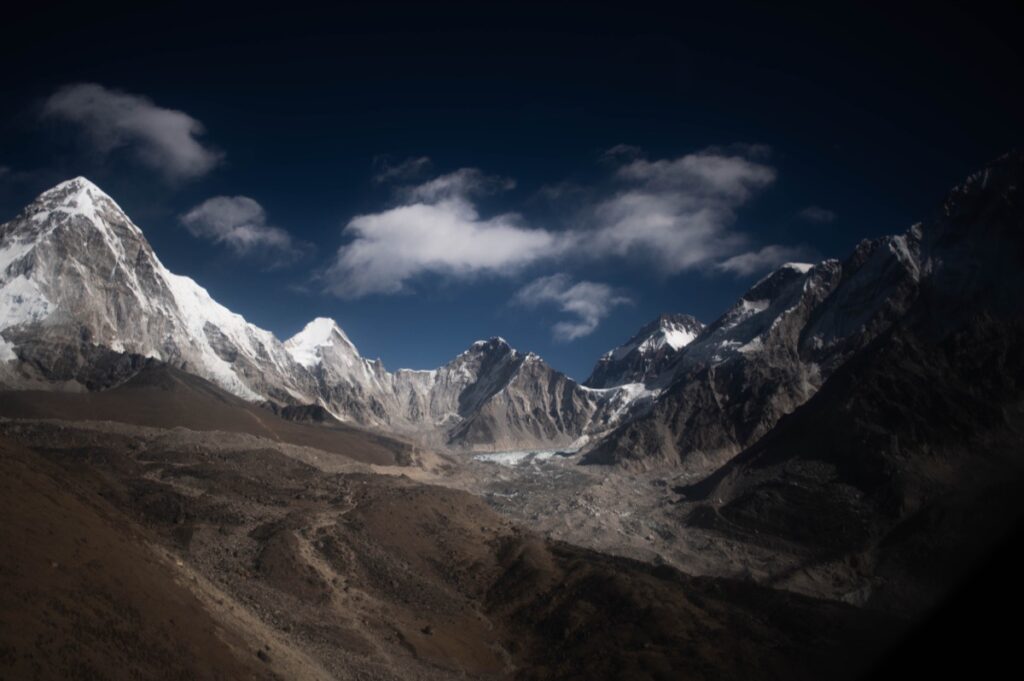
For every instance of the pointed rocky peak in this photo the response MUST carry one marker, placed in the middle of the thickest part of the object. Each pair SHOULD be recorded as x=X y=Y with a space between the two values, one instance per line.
x=75 y=185
x=483 y=357
x=76 y=211
x=673 y=331
x=680 y=329
x=647 y=353
x=995 y=182
x=776 y=291
x=769 y=287
x=491 y=346
x=306 y=347
x=77 y=196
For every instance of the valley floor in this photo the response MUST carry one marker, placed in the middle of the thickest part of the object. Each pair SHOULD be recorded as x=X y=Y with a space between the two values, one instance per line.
x=140 y=552
x=643 y=516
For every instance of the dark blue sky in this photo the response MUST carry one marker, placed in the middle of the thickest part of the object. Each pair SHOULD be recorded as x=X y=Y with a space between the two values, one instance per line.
x=868 y=116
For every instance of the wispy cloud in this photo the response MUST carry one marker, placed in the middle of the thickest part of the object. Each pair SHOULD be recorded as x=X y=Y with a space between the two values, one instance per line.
x=587 y=303
x=621 y=153
x=677 y=213
x=817 y=214
x=463 y=183
x=240 y=223
x=386 y=171
x=764 y=259
x=166 y=140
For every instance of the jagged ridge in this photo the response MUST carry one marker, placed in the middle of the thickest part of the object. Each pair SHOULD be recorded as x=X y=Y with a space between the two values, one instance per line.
x=81 y=288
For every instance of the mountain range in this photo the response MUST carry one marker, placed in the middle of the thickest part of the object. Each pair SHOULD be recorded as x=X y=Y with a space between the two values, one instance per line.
x=84 y=301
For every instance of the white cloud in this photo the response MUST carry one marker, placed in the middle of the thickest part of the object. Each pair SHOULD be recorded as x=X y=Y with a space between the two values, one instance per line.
x=164 y=139
x=448 y=237
x=764 y=259
x=408 y=169
x=817 y=214
x=677 y=213
x=587 y=302
x=437 y=230
x=240 y=223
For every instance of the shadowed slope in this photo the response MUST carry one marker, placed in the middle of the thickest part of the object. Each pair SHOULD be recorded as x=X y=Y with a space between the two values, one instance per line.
x=84 y=597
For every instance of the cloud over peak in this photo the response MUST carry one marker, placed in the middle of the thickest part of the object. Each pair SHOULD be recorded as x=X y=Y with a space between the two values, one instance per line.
x=766 y=258
x=163 y=139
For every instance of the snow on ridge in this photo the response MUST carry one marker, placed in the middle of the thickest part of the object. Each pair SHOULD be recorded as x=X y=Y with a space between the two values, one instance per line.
x=801 y=267
x=669 y=333
x=493 y=339
x=323 y=332
x=678 y=337
x=80 y=195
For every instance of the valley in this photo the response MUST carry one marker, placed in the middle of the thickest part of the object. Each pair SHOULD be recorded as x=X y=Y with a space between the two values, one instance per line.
x=306 y=565
x=782 y=493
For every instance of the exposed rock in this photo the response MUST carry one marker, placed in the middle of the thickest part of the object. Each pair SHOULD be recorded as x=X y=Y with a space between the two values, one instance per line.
x=645 y=356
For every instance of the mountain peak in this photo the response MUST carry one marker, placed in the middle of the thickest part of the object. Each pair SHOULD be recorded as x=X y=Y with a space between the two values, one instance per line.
x=769 y=286
x=78 y=190
x=322 y=327
x=492 y=342
x=79 y=197
x=647 y=352
x=80 y=182
x=671 y=329
x=322 y=332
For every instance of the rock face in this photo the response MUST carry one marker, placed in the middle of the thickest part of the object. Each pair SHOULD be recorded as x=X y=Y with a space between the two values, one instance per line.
x=776 y=347
x=908 y=461
x=645 y=356
x=85 y=302
x=489 y=397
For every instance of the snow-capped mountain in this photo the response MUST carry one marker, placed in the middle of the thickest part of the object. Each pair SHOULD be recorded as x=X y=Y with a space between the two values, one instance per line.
x=768 y=354
x=489 y=397
x=644 y=357
x=77 y=274
x=83 y=298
